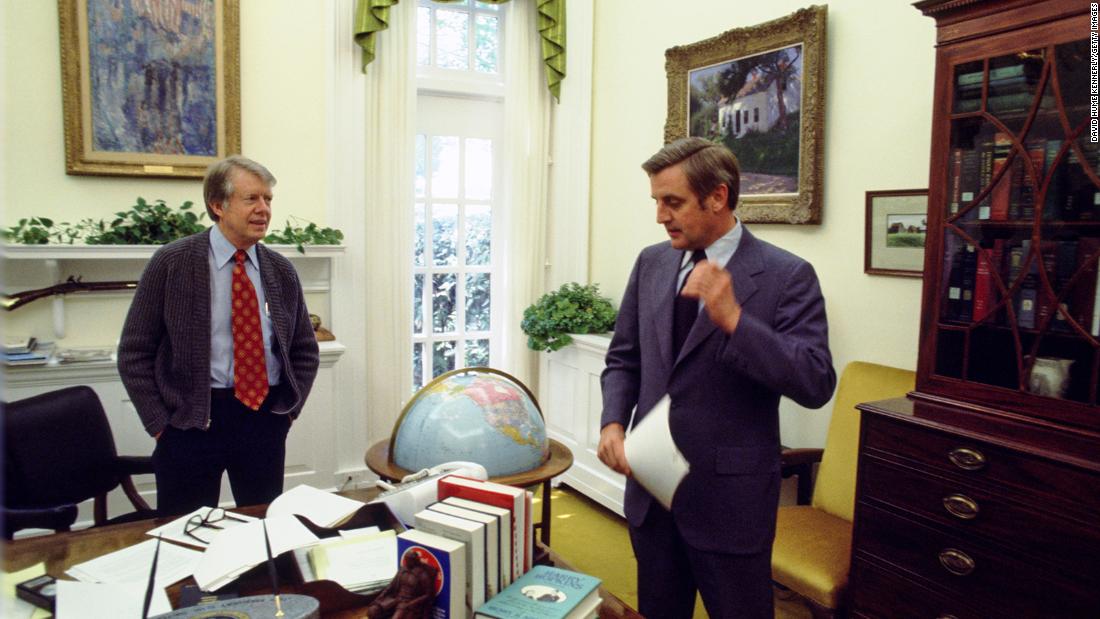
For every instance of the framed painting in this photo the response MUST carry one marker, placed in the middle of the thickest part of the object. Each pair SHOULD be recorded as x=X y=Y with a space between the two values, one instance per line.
x=150 y=88
x=760 y=91
x=897 y=224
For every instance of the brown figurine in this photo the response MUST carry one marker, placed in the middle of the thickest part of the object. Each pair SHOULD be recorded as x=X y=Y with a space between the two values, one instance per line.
x=323 y=334
x=409 y=595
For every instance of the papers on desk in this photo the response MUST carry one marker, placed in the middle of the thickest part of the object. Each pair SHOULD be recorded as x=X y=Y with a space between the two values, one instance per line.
x=87 y=600
x=175 y=531
x=241 y=548
x=653 y=457
x=322 y=508
x=132 y=564
x=362 y=564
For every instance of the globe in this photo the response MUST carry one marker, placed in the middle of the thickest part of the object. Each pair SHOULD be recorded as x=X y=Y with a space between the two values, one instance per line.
x=478 y=415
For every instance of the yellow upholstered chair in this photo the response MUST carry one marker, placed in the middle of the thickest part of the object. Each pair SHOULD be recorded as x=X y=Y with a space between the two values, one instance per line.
x=813 y=542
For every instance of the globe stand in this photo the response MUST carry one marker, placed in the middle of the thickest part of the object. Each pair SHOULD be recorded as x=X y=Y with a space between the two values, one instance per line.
x=380 y=461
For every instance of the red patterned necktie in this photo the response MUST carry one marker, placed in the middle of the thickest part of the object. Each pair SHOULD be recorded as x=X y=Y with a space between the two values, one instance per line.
x=249 y=365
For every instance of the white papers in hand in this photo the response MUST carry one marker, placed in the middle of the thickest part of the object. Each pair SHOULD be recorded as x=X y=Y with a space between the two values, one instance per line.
x=85 y=600
x=241 y=548
x=322 y=508
x=652 y=455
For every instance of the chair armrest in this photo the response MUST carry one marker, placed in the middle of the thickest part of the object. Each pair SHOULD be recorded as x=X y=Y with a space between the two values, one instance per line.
x=799 y=462
x=57 y=518
x=135 y=465
x=793 y=457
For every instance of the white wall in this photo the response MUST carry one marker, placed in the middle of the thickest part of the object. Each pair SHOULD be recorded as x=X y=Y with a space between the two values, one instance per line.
x=286 y=66
x=877 y=136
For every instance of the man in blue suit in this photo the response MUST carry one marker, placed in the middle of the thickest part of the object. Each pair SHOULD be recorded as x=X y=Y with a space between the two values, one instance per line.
x=725 y=324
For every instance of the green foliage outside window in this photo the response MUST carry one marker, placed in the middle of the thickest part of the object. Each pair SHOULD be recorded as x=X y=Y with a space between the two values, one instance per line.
x=573 y=308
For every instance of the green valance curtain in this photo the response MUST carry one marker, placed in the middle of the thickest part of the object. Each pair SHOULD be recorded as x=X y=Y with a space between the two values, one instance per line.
x=372 y=17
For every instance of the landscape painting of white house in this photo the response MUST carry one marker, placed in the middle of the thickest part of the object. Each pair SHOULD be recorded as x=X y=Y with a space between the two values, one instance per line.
x=753 y=105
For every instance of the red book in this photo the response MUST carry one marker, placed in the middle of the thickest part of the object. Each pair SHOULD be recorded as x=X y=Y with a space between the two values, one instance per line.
x=513 y=499
x=999 y=197
x=984 y=298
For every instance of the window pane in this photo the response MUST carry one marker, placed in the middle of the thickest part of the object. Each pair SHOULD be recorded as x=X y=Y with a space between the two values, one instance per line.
x=485 y=6
x=443 y=358
x=418 y=303
x=479 y=169
x=479 y=230
x=423 y=36
x=418 y=235
x=421 y=167
x=443 y=302
x=477 y=353
x=477 y=301
x=487 y=31
x=418 y=366
x=451 y=39
x=444 y=234
x=445 y=166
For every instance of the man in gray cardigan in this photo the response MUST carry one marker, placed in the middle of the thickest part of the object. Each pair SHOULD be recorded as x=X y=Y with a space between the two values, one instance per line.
x=190 y=353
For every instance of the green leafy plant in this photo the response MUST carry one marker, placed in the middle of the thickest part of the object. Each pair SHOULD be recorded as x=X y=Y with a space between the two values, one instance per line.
x=32 y=231
x=145 y=224
x=573 y=308
x=311 y=234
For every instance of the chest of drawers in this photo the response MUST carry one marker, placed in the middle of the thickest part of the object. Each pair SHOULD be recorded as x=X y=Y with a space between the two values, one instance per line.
x=953 y=522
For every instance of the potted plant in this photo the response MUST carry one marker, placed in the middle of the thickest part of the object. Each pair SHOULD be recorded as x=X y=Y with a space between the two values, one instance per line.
x=573 y=308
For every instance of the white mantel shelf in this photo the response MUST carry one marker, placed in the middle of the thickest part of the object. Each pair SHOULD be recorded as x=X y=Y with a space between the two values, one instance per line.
x=136 y=252
x=17 y=377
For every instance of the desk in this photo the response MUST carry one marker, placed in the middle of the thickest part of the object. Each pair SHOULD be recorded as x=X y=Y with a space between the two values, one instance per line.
x=61 y=551
x=381 y=462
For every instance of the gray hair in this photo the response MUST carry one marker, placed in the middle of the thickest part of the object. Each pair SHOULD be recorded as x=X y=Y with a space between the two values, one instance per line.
x=217 y=186
x=706 y=165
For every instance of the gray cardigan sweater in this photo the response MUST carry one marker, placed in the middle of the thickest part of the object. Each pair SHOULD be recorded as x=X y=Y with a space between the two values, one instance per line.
x=164 y=353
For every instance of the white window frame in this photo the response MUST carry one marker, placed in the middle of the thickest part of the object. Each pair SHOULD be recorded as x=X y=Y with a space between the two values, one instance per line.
x=431 y=79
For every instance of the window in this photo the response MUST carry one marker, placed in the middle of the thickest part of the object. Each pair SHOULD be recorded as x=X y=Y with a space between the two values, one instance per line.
x=755 y=114
x=459 y=125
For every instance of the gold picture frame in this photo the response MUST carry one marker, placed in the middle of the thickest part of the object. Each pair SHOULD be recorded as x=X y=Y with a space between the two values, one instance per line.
x=717 y=89
x=149 y=90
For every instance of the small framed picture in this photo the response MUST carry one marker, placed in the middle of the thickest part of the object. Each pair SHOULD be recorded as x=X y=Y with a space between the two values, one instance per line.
x=897 y=225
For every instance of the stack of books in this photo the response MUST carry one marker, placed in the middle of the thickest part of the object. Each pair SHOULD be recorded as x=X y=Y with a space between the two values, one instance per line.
x=23 y=350
x=546 y=592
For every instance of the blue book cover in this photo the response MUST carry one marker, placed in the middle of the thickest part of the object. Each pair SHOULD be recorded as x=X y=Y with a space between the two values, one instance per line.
x=448 y=559
x=545 y=592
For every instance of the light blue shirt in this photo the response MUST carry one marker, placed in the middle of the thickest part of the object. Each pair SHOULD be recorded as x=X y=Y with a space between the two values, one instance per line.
x=719 y=252
x=221 y=263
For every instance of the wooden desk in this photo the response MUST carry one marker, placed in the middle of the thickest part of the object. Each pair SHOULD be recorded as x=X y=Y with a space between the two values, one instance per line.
x=61 y=551
x=380 y=461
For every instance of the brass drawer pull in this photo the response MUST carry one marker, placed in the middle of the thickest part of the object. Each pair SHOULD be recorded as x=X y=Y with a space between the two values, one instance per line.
x=967 y=459
x=961 y=506
x=956 y=561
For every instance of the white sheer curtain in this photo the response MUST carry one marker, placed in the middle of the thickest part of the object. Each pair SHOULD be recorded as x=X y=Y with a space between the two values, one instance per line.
x=390 y=132
x=526 y=147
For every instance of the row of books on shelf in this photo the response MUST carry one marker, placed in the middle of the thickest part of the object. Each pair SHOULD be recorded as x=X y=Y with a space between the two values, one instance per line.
x=1011 y=89
x=1071 y=267
x=29 y=351
x=1071 y=195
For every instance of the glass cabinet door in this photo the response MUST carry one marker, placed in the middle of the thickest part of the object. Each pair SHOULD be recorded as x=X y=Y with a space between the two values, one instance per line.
x=1019 y=301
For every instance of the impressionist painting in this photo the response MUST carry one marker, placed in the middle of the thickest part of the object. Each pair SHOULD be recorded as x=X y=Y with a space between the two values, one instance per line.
x=753 y=106
x=151 y=87
x=153 y=76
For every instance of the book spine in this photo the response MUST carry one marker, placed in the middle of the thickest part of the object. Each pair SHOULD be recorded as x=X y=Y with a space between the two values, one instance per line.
x=995 y=74
x=985 y=175
x=983 y=286
x=999 y=197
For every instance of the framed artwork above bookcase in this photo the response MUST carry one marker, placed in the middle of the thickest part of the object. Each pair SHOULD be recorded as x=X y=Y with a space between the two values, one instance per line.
x=1012 y=302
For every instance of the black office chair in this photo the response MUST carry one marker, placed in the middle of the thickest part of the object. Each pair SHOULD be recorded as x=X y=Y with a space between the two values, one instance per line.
x=58 y=452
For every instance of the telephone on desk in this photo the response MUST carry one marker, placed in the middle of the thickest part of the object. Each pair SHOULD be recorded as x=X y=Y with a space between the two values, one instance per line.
x=418 y=490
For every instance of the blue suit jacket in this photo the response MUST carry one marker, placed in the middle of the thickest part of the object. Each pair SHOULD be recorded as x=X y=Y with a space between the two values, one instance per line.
x=725 y=389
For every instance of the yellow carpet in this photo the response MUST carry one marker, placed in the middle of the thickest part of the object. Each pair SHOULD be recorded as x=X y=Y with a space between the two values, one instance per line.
x=594 y=540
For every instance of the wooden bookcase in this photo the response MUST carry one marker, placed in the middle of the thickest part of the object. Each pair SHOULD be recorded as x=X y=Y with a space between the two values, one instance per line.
x=979 y=494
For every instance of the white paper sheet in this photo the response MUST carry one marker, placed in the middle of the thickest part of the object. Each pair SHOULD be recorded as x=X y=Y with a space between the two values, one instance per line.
x=653 y=457
x=174 y=531
x=241 y=548
x=322 y=508
x=132 y=564
x=87 y=600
